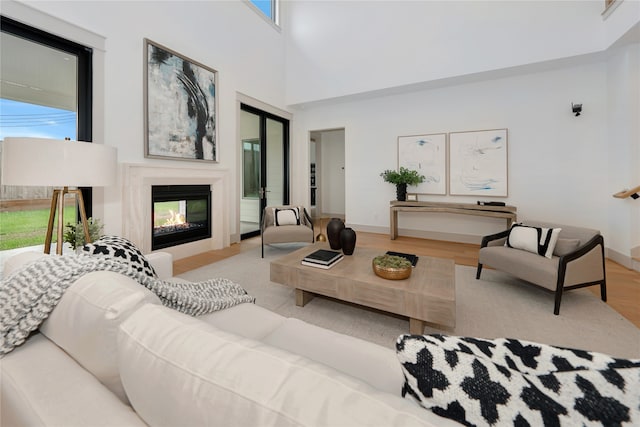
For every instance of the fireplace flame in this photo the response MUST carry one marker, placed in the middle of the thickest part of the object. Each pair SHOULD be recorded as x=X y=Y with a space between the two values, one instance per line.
x=176 y=219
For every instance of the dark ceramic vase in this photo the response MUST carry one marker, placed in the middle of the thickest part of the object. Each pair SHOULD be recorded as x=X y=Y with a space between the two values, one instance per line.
x=334 y=227
x=348 y=241
x=401 y=192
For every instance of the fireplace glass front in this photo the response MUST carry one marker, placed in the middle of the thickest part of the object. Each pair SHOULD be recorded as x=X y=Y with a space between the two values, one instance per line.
x=181 y=214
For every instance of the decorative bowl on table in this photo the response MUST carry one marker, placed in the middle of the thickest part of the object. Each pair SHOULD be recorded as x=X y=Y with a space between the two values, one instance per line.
x=391 y=267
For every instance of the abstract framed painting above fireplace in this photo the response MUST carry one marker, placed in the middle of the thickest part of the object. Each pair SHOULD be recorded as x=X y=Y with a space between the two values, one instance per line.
x=180 y=106
x=180 y=214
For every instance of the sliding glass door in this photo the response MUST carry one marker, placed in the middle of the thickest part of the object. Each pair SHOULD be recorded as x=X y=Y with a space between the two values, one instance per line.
x=265 y=166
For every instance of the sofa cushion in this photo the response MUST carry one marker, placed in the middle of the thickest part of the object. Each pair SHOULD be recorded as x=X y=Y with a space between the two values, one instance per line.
x=511 y=382
x=119 y=248
x=525 y=265
x=85 y=322
x=178 y=370
x=17 y=261
x=247 y=320
x=287 y=233
x=364 y=360
x=566 y=246
x=42 y=386
x=538 y=240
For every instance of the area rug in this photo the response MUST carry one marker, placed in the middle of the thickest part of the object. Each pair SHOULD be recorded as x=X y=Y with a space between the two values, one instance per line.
x=496 y=306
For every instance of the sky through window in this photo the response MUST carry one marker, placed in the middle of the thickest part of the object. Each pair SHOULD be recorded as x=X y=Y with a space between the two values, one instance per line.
x=24 y=119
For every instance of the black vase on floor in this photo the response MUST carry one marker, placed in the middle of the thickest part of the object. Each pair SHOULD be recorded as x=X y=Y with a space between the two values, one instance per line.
x=334 y=227
x=348 y=241
x=401 y=192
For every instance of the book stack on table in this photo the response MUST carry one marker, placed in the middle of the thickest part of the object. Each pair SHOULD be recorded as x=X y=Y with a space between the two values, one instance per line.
x=322 y=258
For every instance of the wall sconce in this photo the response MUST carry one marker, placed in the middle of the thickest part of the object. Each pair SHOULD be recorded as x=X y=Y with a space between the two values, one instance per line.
x=576 y=108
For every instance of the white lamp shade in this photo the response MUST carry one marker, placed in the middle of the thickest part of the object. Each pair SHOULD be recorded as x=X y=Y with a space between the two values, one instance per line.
x=57 y=163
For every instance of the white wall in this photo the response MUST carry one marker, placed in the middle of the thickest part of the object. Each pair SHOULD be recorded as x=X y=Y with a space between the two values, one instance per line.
x=338 y=48
x=623 y=140
x=227 y=36
x=557 y=162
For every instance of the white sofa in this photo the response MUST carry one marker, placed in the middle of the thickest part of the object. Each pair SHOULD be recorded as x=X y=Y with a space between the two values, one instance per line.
x=111 y=355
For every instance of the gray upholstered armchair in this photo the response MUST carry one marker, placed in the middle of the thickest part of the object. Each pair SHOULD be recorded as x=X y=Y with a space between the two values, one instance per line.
x=577 y=260
x=284 y=224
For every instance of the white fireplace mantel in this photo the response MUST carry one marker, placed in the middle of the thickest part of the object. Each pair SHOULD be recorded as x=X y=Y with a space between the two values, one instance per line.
x=137 y=180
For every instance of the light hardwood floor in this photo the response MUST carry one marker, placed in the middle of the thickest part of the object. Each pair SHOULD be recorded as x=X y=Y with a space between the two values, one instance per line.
x=623 y=285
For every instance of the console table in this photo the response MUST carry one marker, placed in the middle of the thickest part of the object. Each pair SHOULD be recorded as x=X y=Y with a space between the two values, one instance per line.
x=506 y=212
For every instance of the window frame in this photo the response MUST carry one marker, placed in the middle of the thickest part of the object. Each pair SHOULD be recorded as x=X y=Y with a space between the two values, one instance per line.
x=84 y=54
x=274 y=20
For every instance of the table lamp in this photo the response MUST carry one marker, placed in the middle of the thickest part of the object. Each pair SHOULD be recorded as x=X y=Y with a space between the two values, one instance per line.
x=59 y=164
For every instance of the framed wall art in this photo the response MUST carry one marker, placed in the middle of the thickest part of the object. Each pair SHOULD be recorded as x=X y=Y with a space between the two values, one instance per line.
x=478 y=163
x=426 y=154
x=180 y=106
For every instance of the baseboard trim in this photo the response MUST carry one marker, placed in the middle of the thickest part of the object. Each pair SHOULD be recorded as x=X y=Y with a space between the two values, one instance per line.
x=622 y=259
x=235 y=238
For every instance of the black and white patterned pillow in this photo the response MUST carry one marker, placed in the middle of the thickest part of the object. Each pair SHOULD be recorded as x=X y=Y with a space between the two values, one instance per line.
x=538 y=240
x=511 y=382
x=122 y=249
x=287 y=216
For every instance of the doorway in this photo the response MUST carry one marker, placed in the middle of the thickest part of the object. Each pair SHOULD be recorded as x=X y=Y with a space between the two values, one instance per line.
x=327 y=172
x=265 y=166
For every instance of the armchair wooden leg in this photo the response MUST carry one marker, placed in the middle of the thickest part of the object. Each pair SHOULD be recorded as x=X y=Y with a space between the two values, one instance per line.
x=478 y=271
x=556 y=308
x=603 y=290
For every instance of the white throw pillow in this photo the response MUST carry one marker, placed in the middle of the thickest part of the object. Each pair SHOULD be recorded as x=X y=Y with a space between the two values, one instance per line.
x=178 y=370
x=288 y=216
x=538 y=240
x=85 y=322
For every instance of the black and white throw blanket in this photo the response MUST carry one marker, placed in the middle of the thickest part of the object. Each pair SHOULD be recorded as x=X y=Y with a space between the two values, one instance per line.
x=31 y=293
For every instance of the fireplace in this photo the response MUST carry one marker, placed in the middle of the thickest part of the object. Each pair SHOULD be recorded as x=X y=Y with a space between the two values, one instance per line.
x=181 y=214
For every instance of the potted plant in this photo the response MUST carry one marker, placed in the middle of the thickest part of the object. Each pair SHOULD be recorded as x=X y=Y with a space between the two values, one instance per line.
x=74 y=234
x=401 y=178
x=391 y=267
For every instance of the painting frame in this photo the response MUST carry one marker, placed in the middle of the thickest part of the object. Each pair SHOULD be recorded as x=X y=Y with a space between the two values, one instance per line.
x=427 y=154
x=180 y=106
x=478 y=163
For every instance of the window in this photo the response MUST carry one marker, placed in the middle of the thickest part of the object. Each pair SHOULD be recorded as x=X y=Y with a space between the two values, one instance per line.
x=269 y=8
x=251 y=168
x=53 y=104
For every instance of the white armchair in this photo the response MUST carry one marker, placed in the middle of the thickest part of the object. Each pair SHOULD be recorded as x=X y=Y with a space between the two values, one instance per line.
x=284 y=224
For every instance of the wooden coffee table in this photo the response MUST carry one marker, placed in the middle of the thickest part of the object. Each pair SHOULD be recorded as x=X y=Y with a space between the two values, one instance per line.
x=427 y=296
